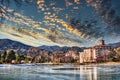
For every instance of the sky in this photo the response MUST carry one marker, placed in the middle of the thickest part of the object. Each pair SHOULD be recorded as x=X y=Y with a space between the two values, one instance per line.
x=61 y=22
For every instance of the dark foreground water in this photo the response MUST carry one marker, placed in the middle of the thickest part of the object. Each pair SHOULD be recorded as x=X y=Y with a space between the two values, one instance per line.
x=58 y=72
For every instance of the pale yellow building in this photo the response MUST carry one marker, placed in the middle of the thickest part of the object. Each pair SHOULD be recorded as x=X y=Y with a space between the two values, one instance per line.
x=97 y=53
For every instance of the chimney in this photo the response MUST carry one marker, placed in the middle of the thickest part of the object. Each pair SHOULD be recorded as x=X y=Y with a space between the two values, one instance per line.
x=102 y=42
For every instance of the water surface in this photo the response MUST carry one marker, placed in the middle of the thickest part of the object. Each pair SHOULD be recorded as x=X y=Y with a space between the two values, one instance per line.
x=58 y=72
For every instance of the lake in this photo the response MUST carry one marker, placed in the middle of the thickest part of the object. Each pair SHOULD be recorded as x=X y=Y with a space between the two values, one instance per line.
x=58 y=72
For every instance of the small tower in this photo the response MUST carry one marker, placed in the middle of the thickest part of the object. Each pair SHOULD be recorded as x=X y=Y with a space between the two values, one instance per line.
x=102 y=42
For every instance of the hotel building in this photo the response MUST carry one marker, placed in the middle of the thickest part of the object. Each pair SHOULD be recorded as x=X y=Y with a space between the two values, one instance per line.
x=97 y=53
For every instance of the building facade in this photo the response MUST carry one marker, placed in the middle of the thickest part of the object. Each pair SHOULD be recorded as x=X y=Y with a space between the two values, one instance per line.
x=97 y=53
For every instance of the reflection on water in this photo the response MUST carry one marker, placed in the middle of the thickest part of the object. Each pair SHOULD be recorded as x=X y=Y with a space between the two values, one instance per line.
x=58 y=72
x=90 y=74
x=86 y=72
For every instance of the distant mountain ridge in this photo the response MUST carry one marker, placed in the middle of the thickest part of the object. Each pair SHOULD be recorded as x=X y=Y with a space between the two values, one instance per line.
x=115 y=45
x=57 y=48
x=6 y=44
x=65 y=49
x=50 y=48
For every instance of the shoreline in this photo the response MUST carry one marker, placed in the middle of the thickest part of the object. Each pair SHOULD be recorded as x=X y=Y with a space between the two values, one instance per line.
x=109 y=63
x=95 y=64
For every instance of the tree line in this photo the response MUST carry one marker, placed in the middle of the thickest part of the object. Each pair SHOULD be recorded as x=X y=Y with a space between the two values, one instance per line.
x=11 y=57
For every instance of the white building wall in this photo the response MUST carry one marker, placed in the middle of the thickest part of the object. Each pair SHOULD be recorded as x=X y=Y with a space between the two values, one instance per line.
x=81 y=57
x=94 y=55
x=91 y=54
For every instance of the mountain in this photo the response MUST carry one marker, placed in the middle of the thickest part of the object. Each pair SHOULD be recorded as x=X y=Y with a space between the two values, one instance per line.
x=115 y=45
x=65 y=48
x=57 y=48
x=50 y=48
x=6 y=44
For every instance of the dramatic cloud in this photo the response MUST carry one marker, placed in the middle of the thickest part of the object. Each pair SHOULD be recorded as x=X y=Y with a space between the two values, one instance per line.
x=24 y=35
x=107 y=13
x=60 y=22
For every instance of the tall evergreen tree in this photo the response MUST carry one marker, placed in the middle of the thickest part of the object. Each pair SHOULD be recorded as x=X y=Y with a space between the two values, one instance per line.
x=10 y=56
x=3 y=57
